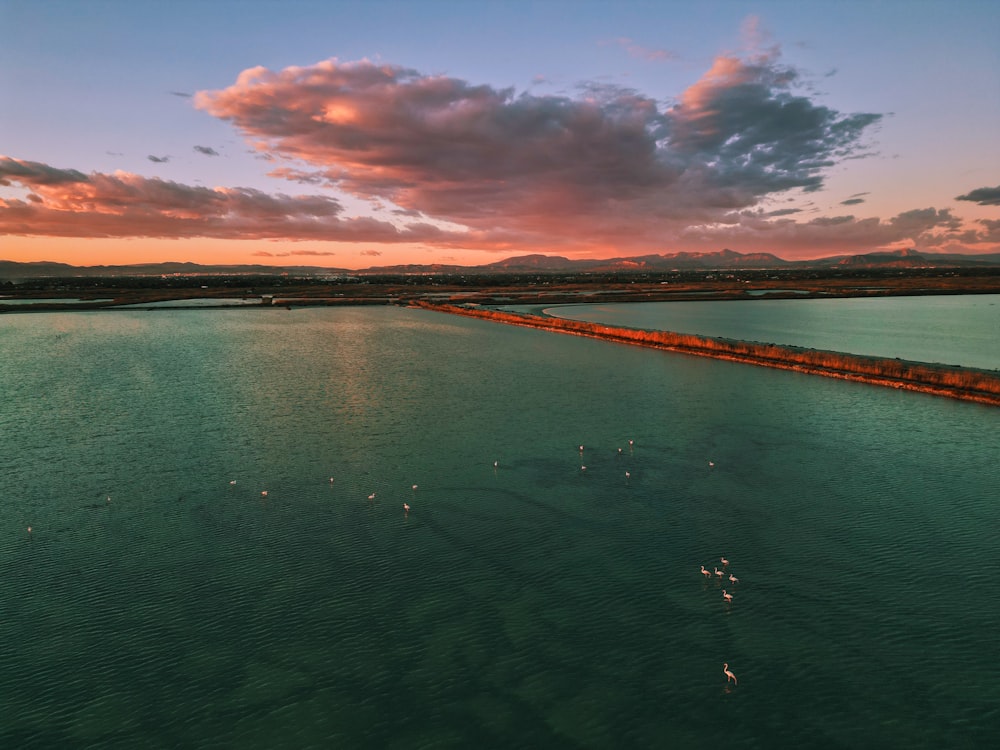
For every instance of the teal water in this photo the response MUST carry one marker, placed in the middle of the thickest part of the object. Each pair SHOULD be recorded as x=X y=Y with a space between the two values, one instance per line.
x=945 y=329
x=527 y=604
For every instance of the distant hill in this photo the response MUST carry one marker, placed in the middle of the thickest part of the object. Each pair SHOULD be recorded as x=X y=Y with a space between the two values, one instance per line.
x=537 y=263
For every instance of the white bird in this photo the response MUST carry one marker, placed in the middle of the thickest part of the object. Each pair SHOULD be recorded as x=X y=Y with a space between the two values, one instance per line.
x=729 y=675
x=705 y=572
x=727 y=597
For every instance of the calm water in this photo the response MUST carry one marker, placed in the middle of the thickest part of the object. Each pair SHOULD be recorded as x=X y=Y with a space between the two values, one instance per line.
x=947 y=329
x=532 y=604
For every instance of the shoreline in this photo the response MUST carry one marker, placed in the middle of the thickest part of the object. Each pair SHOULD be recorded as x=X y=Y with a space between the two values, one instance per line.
x=966 y=384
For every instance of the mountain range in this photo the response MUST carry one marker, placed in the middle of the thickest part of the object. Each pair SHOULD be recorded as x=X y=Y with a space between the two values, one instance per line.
x=714 y=261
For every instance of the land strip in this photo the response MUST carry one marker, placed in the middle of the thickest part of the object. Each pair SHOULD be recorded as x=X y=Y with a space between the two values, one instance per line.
x=968 y=384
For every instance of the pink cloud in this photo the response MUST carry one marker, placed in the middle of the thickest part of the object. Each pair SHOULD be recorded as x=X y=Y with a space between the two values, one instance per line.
x=609 y=167
x=69 y=203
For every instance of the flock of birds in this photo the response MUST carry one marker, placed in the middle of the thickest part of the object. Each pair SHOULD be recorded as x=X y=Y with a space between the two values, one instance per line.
x=726 y=596
x=715 y=572
x=718 y=574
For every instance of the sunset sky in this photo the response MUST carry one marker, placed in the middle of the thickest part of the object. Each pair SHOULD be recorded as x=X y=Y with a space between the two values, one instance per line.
x=355 y=134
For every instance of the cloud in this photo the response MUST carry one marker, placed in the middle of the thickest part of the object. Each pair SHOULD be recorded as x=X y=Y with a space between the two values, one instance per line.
x=986 y=196
x=206 y=150
x=852 y=201
x=830 y=235
x=69 y=203
x=35 y=174
x=293 y=253
x=158 y=159
x=608 y=165
x=182 y=94
x=642 y=53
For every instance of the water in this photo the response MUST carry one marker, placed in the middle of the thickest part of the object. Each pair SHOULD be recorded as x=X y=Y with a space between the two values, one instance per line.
x=534 y=604
x=947 y=329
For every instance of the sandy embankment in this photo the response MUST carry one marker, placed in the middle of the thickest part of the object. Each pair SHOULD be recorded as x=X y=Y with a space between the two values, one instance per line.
x=982 y=386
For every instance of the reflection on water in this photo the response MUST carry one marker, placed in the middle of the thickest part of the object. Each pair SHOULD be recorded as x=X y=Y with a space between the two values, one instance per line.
x=162 y=600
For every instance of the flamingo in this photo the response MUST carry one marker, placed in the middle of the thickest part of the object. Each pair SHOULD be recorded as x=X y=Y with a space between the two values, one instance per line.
x=628 y=475
x=724 y=561
x=406 y=509
x=619 y=451
x=727 y=597
x=583 y=468
x=232 y=481
x=711 y=464
x=331 y=480
x=581 y=449
x=264 y=493
x=733 y=579
x=29 y=529
x=414 y=488
x=371 y=496
x=704 y=572
x=729 y=675
x=495 y=464
x=717 y=572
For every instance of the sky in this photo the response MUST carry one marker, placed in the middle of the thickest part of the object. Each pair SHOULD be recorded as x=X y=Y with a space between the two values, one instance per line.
x=351 y=135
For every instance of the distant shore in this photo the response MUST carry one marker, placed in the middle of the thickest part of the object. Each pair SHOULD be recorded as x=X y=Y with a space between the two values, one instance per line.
x=539 y=289
x=967 y=384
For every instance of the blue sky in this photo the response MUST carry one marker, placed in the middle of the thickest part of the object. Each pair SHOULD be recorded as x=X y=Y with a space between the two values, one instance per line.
x=465 y=132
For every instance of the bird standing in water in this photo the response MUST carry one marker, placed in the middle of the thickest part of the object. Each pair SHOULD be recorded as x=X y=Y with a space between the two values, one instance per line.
x=729 y=675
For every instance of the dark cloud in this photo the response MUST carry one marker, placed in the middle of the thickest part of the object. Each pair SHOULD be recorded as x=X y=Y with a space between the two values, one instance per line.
x=36 y=173
x=206 y=150
x=852 y=201
x=158 y=159
x=181 y=94
x=986 y=196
